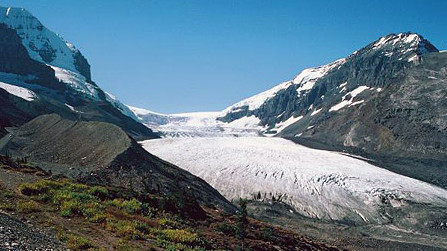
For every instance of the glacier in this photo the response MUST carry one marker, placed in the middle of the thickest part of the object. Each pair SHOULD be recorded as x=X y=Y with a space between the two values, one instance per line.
x=316 y=183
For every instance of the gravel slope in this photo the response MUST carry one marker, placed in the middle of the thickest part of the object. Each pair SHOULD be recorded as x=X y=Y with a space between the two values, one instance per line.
x=17 y=235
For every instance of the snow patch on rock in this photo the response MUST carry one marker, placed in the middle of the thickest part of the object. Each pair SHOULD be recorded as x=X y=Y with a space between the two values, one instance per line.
x=283 y=124
x=256 y=101
x=307 y=78
x=18 y=91
x=349 y=102
x=76 y=81
x=316 y=112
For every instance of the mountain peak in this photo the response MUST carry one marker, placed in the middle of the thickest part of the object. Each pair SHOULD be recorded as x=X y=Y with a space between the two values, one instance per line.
x=413 y=40
x=42 y=44
x=15 y=12
x=405 y=46
x=408 y=39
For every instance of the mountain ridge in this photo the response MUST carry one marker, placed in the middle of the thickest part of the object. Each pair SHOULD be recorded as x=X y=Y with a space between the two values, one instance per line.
x=40 y=62
x=305 y=81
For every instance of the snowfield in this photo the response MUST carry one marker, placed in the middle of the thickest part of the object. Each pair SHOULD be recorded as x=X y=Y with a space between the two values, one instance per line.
x=316 y=183
x=196 y=124
x=76 y=81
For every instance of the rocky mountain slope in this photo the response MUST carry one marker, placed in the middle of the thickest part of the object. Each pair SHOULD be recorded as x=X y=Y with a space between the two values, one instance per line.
x=373 y=66
x=41 y=73
x=384 y=101
x=102 y=153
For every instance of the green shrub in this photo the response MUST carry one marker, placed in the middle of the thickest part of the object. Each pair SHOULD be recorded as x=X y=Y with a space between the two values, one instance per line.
x=128 y=218
x=124 y=245
x=170 y=246
x=142 y=227
x=8 y=194
x=66 y=194
x=7 y=206
x=99 y=192
x=69 y=208
x=226 y=229
x=94 y=214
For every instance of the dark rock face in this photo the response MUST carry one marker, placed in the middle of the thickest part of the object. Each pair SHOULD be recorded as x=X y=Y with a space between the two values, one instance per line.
x=82 y=65
x=15 y=59
x=103 y=153
x=402 y=127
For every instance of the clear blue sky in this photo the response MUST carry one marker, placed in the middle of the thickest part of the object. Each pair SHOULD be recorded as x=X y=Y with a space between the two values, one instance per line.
x=182 y=56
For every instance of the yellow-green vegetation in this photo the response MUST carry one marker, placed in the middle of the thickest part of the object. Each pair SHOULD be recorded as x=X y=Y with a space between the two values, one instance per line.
x=131 y=206
x=179 y=235
x=129 y=218
x=27 y=206
x=131 y=229
x=22 y=206
x=75 y=242
x=169 y=222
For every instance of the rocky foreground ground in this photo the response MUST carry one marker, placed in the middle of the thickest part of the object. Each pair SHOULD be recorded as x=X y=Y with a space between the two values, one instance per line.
x=18 y=235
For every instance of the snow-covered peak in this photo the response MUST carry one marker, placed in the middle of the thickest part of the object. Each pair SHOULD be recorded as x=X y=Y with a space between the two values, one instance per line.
x=42 y=44
x=406 y=46
x=407 y=38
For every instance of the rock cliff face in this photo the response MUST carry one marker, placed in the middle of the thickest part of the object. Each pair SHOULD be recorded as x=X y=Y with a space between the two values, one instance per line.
x=35 y=60
x=15 y=59
x=403 y=126
x=81 y=64
x=384 y=101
